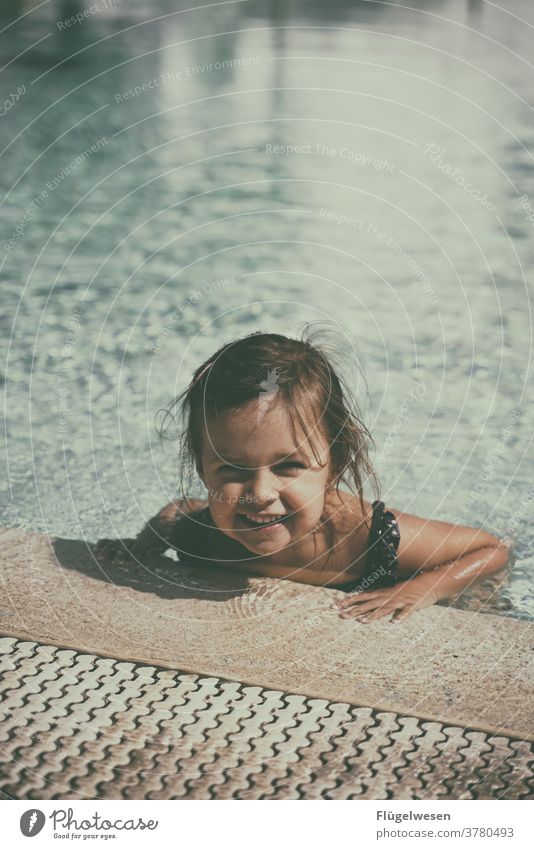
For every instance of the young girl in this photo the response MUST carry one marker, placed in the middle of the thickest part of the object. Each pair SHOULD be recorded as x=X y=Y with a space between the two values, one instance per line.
x=274 y=433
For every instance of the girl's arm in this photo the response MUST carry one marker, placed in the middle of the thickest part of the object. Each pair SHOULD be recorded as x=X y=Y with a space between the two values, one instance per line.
x=153 y=539
x=155 y=536
x=456 y=555
x=439 y=559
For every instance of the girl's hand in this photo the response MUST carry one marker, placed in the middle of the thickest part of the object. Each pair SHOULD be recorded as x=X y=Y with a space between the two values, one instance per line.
x=401 y=600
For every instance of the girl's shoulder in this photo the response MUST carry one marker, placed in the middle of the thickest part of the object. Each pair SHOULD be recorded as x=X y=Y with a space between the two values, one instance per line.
x=346 y=512
x=350 y=523
x=369 y=535
x=192 y=528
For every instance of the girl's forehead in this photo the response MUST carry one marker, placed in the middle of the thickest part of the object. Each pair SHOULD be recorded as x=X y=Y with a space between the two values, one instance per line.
x=259 y=420
x=254 y=432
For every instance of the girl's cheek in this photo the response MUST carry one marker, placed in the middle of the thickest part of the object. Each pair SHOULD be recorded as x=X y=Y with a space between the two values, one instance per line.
x=228 y=496
x=305 y=490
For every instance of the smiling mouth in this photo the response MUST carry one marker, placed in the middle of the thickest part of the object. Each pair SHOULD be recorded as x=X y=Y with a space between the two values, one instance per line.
x=262 y=522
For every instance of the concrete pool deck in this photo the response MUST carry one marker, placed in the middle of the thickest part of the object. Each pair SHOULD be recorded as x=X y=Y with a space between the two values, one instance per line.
x=164 y=682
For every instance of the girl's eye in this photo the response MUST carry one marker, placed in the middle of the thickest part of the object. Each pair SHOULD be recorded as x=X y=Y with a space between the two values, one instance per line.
x=237 y=471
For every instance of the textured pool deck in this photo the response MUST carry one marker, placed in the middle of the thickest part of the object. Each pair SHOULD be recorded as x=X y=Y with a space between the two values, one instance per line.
x=79 y=726
x=152 y=681
x=444 y=665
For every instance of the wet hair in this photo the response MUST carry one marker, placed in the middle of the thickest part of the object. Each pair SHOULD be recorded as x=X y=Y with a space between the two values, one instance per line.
x=295 y=372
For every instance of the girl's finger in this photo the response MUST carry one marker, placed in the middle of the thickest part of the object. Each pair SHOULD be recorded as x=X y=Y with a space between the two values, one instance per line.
x=378 y=614
x=361 y=609
x=369 y=613
x=400 y=615
x=384 y=598
x=356 y=598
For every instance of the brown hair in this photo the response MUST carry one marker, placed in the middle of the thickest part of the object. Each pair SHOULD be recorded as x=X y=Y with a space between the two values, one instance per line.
x=305 y=379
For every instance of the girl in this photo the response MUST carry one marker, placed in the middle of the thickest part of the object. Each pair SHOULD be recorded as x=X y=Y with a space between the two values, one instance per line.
x=273 y=433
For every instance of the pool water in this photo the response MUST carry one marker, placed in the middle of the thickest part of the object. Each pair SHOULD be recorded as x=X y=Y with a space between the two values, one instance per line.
x=174 y=178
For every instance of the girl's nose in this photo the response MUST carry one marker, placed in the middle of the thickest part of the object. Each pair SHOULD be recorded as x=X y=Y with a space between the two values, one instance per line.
x=263 y=487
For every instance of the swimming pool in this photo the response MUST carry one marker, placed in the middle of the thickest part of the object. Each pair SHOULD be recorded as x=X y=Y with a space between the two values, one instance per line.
x=173 y=179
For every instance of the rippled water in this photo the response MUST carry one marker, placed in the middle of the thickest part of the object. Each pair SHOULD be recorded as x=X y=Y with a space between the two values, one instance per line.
x=278 y=163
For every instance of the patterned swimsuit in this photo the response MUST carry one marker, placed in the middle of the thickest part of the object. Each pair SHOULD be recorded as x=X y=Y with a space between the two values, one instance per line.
x=380 y=563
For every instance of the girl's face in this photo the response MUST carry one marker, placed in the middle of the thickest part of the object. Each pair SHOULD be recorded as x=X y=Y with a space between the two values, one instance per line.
x=255 y=473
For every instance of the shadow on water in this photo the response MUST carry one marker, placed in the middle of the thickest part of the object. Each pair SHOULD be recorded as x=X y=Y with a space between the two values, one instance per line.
x=160 y=576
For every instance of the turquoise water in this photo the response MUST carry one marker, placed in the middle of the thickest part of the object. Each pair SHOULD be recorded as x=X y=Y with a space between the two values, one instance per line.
x=172 y=179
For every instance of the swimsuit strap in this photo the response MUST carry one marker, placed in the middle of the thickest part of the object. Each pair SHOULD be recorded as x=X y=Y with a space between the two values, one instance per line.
x=384 y=541
x=381 y=560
